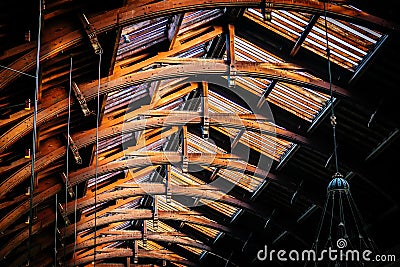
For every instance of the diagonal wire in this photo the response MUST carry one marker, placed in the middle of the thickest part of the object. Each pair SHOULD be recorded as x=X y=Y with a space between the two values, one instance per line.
x=17 y=71
x=34 y=133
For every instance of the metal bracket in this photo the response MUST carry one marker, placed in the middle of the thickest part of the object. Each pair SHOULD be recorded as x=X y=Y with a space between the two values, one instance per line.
x=74 y=150
x=91 y=33
x=144 y=233
x=71 y=192
x=64 y=214
x=155 y=212
x=168 y=194
x=135 y=252
x=81 y=99
x=232 y=76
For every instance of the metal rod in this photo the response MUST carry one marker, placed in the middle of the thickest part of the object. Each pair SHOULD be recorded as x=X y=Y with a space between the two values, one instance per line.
x=34 y=134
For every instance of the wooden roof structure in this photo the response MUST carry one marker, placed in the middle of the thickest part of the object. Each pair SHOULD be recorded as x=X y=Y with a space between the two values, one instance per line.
x=191 y=133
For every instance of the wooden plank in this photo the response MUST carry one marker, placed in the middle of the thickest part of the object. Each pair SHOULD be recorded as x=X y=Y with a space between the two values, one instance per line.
x=137 y=235
x=257 y=70
x=123 y=253
x=23 y=208
x=145 y=214
x=22 y=174
x=205 y=192
x=177 y=49
x=162 y=158
x=88 y=137
x=43 y=221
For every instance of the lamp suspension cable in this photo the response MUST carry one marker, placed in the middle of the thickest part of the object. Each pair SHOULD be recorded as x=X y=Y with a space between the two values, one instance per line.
x=55 y=232
x=75 y=218
x=67 y=151
x=34 y=133
x=68 y=134
x=97 y=156
x=333 y=117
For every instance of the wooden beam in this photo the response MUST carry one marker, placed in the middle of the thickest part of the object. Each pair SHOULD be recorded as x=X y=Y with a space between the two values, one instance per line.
x=257 y=70
x=132 y=13
x=88 y=137
x=161 y=158
x=177 y=49
x=173 y=29
x=304 y=35
x=41 y=194
x=252 y=69
x=123 y=253
x=145 y=214
x=41 y=223
x=22 y=174
x=187 y=118
x=367 y=60
x=230 y=45
x=205 y=192
x=137 y=235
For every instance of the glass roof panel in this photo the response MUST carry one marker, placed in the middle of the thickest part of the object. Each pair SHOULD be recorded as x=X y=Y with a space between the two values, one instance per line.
x=349 y=43
x=301 y=101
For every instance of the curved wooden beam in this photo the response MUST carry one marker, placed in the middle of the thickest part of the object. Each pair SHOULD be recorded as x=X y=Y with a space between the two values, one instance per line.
x=89 y=137
x=22 y=174
x=254 y=69
x=123 y=253
x=161 y=158
x=24 y=207
x=137 y=235
x=46 y=218
x=133 y=13
x=146 y=214
x=111 y=84
x=205 y=192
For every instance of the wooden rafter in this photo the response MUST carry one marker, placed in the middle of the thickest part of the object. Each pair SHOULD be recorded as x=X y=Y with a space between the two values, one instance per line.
x=146 y=214
x=257 y=70
x=123 y=253
x=123 y=16
x=137 y=235
x=159 y=189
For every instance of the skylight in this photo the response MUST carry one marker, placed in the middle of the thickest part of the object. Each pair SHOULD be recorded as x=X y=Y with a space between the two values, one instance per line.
x=349 y=43
x=302 y=102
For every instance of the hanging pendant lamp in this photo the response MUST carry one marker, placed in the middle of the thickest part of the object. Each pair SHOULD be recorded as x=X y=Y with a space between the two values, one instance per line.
x=342 y=238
